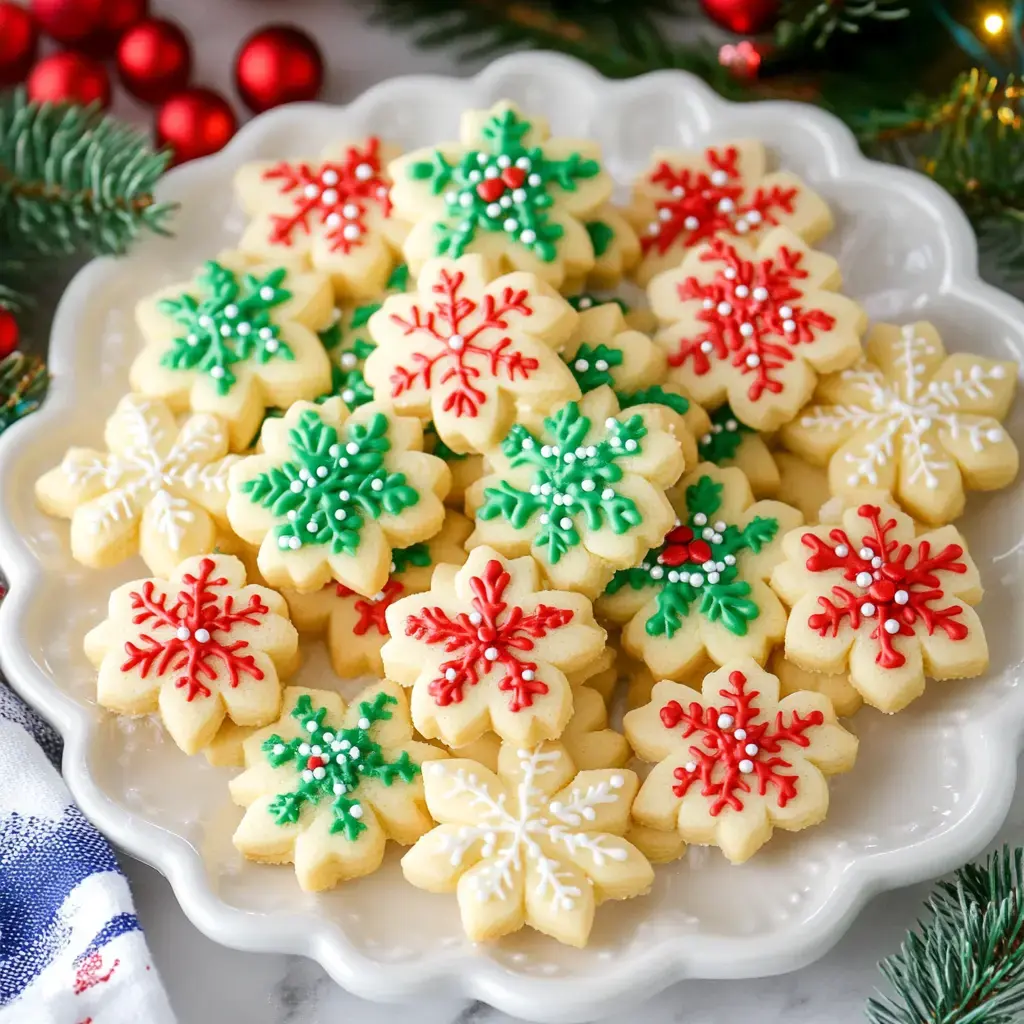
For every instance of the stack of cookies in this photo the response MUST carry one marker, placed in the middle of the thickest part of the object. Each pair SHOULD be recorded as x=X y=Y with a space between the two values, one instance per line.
x=395 y=420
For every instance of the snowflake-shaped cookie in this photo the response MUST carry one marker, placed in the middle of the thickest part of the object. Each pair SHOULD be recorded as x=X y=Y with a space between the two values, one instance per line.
x=585 y=494
x=702 y=592
x=734 y=761
x=469 y=354
x=327 y=785
x=237 y=340
x=913 y=421
x=333 y=214
x=728 y=442
x=487 y=648
x=685 y=199
x=197 y=648
x=508 y=192
x=332 y=493
x=158 y=490
x=891 y=606
x=355 y=626
x=535 y=843
x=755 y=328
x=616 y=250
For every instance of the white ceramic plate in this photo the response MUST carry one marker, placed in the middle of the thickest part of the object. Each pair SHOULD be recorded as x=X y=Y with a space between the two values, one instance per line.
x=931 y=786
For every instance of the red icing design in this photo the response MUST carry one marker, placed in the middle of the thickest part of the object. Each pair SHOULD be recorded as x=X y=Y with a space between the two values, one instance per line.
x=752 y=316
x=459 y=354
x=681 y=547
x=490 y=634
x=335 y=194
x=703 y=204
x=193 y=633
x=87 y=972
x=892 y=589
x=371 y=611
x=735 y=757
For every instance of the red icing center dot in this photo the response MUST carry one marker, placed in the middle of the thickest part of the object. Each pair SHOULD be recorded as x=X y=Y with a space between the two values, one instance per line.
x=882 y=591
x=700 y=551
x=513 y=176
x=315 y=762
x=490 y=189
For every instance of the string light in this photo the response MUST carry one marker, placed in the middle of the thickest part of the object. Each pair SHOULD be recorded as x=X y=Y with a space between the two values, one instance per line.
x=994 y=23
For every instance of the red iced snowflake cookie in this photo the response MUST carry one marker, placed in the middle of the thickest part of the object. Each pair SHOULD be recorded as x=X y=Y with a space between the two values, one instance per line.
x=487 y=648
x=755 y=328
x=734 y=761
x=892 y=607
x=197 y=648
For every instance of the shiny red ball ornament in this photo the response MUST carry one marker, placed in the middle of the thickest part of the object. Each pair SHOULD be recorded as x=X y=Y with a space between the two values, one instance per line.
x=747 y=17
x=68 y=21
x=743 y=59
x=154 y=60
x=69 y=78
x=9 y=334
x=278 y=64
x=118 y=16
x=195 y=123
x=19 y=41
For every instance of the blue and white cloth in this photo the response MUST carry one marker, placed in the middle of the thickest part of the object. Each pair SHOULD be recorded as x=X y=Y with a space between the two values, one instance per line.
x=71 y=948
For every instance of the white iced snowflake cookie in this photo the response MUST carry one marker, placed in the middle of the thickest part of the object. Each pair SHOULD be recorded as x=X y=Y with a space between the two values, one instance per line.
x=507 y=191
x=328 y=785
x=755 y=328
x=332 y=493
x=469 y=354
x=333 y=213
x=200 y=649
x=355 y=626
x=535 y=843
x=912 y=420
x=687 y=198
x=488 y=648
x=871 y=598
x=237 y=340
x=158 y=490
x=733 y=761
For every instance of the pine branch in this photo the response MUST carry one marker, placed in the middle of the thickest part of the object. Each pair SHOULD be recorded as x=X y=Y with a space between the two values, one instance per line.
x=23 y=382
x=964 y=965
x=72 y=178
x=13 y=281
x=813 y=24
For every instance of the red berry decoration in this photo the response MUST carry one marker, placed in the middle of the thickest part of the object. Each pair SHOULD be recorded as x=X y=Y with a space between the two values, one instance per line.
x=195 y=123
x=69 y=21
x=19 y=42
x=278 y=64
x=747 y=17
x=69 y=78
x=154 y=60
x=9 y=334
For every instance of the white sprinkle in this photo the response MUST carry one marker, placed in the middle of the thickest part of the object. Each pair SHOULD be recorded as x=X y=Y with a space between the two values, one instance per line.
x=867 y=609
x=746 y=766
x=491 y=654
x=864 y=579
x=901 y=597
x=725 y=721
x=842 y=550
x=892 y=626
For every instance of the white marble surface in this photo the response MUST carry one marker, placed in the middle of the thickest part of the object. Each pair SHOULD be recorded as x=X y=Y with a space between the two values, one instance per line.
x=208 y=983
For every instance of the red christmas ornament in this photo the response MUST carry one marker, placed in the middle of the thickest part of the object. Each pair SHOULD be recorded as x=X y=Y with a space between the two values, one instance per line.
x=278 y=64
x=117 y=17
x=154 y=60
x=195 y=122
x=743 y=59
x=9 y=334
x=19 y=41
x=69 y=77
x=747 y=17
x=69 y=21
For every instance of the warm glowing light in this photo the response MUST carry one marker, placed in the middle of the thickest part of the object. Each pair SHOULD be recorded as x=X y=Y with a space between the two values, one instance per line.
x=994 y=23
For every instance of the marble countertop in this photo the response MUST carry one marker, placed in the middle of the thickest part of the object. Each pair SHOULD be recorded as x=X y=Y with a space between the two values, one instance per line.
x=209 y=983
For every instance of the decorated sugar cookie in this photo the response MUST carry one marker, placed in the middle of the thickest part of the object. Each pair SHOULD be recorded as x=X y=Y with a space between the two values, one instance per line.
x=327 y=785
x=535 y=843
x=912 y=420
x=836 y=686
x=734 y=762
x=802 y=485
x=601 y=674
x=468 y=354
x=702 y=592
x=158 y=490
x=236 y=341
x=507 y=191
x=584 y=494
x=200 y=648
x=639 y=318
x=355 y=626
x=728 y=442
x=891 y=608
x=616 y=249
x=684 y=199
x=332 y=493
x=333 y=214
x=488 y=648
x=755 y=328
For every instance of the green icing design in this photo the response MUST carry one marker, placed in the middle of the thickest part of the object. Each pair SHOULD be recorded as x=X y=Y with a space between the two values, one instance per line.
x=570 y=480
x=331 y=483
x=654 y=395
x=229 y=323
x=601 y=236
x=723 y=440
x=331 y=764
x=414 y=555
x=592 y=365
x=697 y=563
x=503 y=187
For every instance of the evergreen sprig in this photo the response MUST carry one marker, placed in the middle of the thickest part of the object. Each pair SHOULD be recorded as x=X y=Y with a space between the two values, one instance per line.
x=965 y=964
x=813 y=23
